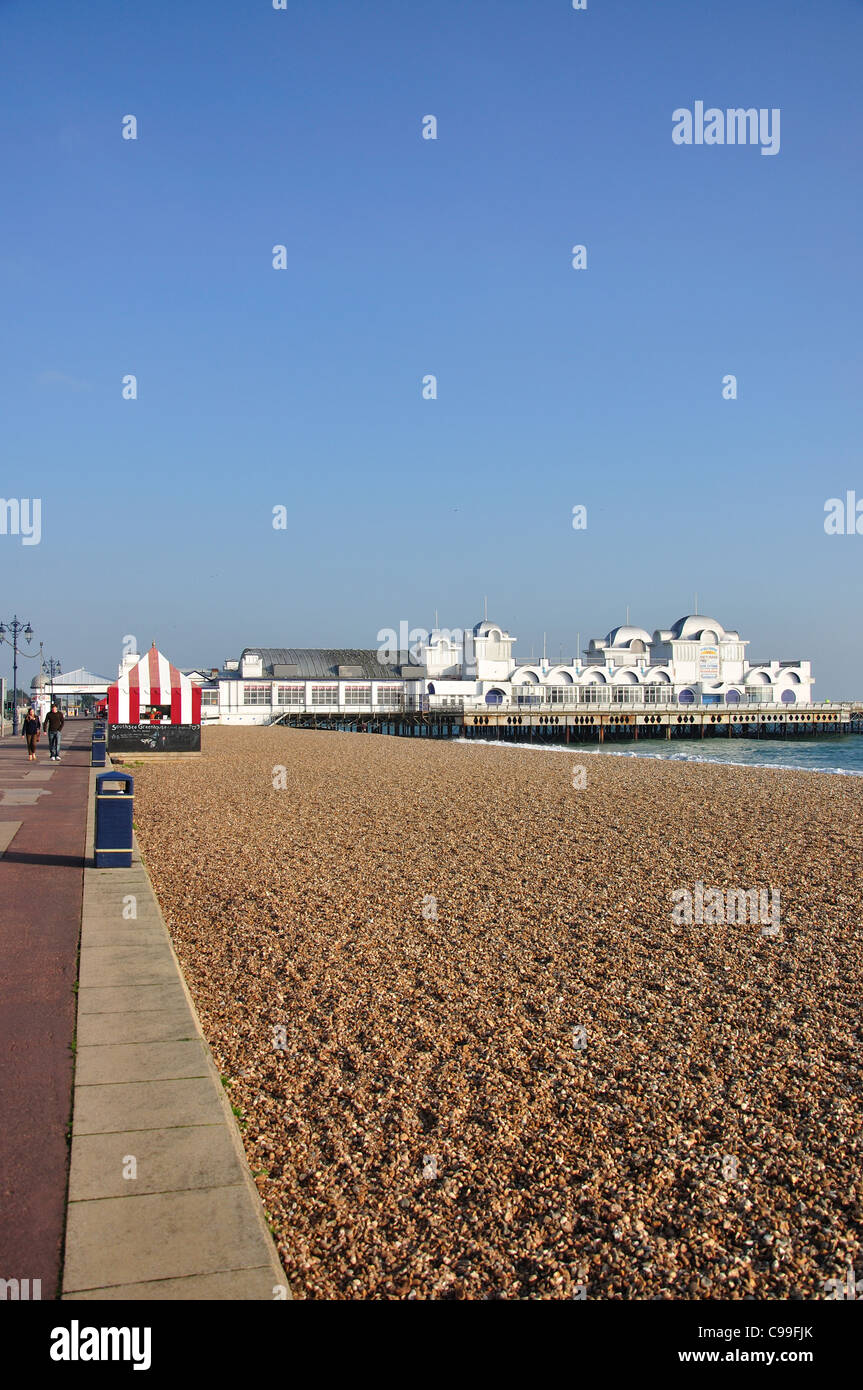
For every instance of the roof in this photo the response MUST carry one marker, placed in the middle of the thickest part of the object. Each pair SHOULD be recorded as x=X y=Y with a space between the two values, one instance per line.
x=624 y=635
x=314 y=663
x=77 y=677
x=151 y=671
x=694 y=624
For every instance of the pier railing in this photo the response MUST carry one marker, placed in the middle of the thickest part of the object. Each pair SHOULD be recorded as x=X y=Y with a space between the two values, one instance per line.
x=458 y=707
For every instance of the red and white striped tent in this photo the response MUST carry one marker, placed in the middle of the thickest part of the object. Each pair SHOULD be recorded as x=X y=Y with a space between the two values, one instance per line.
x=153 y=681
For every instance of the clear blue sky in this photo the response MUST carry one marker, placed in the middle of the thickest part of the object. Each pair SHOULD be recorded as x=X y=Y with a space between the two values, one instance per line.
x=405 y=257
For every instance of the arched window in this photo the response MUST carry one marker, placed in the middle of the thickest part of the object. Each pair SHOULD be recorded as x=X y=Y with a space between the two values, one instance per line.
x=686 y=697
x=732 y=697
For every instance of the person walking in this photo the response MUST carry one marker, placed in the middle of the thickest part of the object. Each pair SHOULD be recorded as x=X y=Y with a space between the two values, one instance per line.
x=30 y=730
x=53 y=724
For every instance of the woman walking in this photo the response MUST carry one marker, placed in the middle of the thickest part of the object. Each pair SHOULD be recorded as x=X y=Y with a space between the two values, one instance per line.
x=31 y=730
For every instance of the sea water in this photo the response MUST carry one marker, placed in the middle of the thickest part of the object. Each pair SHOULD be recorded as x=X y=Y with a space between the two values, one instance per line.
x=841 y=756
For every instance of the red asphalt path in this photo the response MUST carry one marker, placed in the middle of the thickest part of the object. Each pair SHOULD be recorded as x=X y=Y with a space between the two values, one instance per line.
x=41 y=891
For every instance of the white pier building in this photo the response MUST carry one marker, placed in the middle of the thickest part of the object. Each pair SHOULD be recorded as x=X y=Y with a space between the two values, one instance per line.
x=696 y=662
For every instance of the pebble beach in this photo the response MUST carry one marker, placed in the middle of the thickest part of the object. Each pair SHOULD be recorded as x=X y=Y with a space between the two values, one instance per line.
x=472 y=1054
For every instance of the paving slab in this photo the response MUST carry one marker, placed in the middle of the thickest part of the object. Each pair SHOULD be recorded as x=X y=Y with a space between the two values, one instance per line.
x=165 y=1160
x=228 y=1287
x=126 y=934
x=108 y=1108
x=156 y=1061
x=8 y=831
x=145 y=1026
x=122 y=966
x=167 y=1235
x=117 y=999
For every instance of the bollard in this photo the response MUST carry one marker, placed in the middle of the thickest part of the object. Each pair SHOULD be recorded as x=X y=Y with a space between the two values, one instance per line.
x=99 y=745
x=114 y=821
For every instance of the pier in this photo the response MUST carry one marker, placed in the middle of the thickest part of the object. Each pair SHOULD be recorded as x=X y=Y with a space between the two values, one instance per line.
x=590 y=725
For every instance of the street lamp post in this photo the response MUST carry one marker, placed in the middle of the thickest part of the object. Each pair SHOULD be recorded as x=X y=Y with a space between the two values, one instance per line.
x=53 y=669
x=15 y=627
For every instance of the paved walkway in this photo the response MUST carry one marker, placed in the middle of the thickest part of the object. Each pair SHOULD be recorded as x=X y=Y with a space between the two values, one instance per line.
x=161 y=1203
x=43 y=810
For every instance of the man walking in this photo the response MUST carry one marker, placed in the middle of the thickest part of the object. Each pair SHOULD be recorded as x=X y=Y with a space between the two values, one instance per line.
x=53 y=724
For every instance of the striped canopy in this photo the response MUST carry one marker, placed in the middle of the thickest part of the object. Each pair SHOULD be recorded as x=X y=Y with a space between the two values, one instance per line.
x=153 y=681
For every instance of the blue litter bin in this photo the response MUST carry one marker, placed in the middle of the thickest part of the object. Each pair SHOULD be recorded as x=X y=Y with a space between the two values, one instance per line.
x=99 y=745
x=114 y=820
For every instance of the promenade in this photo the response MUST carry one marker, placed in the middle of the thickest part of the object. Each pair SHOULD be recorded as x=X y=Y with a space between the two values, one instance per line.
x=122 y=1173
x=43 y=815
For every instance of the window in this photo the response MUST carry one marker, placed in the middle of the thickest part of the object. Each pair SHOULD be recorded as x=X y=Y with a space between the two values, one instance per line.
x=256 y=694
x=209 y=697
x=657 y=693
x=325 y=695
x=390 y=696
x=291 y=695
x=596 y=693
x=358 y=695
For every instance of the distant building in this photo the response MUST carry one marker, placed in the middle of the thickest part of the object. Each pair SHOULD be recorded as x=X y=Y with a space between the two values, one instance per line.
x=695 y=662
x=68 y=688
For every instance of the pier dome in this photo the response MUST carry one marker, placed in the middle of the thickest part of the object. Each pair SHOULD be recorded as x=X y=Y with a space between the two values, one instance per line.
x=694 y=625
x=626 y=636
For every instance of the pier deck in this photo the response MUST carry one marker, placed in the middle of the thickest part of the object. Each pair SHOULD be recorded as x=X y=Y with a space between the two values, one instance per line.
x=591 y=724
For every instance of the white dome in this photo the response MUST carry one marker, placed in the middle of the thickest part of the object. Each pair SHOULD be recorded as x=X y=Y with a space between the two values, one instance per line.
x=623 y=636
x=693 y=626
